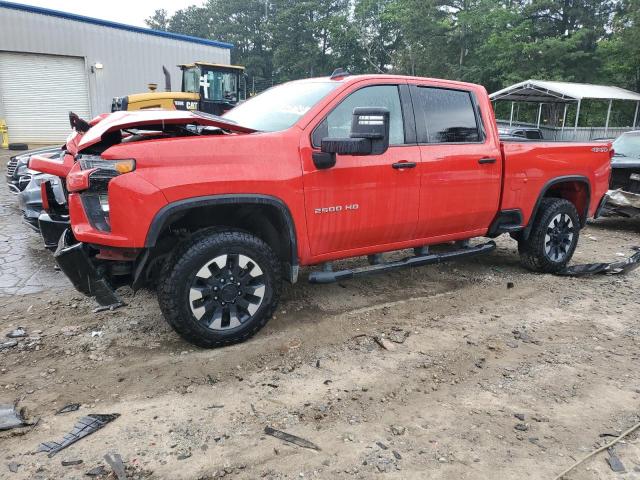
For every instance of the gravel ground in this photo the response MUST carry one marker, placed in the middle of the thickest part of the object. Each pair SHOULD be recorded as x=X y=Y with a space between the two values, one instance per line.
x=490 y=372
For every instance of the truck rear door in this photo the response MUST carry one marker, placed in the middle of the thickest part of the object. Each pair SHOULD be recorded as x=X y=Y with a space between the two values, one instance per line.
x=461 y=167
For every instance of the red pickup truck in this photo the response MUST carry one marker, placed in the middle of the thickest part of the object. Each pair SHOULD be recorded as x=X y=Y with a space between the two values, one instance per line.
x=217 y=211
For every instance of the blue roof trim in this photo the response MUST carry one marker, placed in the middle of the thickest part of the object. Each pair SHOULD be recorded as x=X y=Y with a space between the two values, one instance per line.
x=120 y=26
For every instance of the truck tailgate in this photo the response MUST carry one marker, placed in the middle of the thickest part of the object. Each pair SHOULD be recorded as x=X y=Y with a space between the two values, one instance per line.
x=531 y=168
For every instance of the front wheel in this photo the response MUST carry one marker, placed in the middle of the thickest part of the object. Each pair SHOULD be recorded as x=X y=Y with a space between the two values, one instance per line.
x=553 y=238
x=220 y=288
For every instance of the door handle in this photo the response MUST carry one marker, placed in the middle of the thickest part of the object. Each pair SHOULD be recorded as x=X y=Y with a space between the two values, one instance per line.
x=482 y=161
x=403 y=164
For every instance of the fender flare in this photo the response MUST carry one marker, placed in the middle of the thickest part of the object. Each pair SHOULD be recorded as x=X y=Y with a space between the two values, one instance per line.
x=547 y=186
x=172 y=210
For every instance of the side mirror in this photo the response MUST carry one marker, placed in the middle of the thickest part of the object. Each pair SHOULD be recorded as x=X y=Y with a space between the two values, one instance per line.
x=369 y=136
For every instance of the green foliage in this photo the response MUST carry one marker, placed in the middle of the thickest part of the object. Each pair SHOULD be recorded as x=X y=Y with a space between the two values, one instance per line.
x=491 y=42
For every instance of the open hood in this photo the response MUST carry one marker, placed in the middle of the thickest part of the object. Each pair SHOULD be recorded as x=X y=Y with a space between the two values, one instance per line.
x=123 y=120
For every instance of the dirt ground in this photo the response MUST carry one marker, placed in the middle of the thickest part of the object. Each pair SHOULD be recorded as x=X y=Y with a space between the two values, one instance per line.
x=474 y=343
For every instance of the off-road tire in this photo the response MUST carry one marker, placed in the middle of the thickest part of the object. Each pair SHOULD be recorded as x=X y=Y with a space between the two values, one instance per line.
x=533 y=251
x=183 y=268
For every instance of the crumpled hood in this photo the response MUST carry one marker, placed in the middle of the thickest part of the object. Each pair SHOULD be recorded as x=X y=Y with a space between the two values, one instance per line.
x=124 y=119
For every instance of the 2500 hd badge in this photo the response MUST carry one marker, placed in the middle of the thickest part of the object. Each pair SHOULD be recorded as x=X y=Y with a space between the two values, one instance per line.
x=337 y=208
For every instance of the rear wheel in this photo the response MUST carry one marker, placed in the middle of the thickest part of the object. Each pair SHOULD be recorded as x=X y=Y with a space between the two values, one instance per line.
x=220 y=288
x=553 y=238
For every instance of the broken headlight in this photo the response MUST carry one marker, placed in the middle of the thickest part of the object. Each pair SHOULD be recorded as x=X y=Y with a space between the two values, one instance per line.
x=95 y=197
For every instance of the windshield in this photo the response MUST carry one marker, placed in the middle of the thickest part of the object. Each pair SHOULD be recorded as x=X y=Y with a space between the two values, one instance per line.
x=279 y=107
x=627 y=145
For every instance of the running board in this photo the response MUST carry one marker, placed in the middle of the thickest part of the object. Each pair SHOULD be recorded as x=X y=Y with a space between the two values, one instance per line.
x=325 y=276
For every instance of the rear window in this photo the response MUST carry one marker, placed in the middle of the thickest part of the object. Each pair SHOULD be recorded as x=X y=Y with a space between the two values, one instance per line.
x=448 y=116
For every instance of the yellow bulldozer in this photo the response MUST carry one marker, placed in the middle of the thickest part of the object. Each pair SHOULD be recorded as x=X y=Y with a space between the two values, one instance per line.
x=207 y=87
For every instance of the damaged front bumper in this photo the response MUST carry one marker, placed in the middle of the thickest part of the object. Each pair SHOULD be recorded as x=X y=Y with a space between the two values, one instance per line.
x=622 y=203
x=73 y=259
x=52 y=227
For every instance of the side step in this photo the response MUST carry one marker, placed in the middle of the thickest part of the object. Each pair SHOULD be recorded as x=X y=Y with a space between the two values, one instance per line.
x=329 y=276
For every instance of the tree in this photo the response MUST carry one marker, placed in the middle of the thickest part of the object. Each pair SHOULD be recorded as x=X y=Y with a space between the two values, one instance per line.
x=492 y=42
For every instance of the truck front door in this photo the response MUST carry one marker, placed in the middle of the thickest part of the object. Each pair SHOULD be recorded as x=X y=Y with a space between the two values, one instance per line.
x=461 y=166
x=363 y=201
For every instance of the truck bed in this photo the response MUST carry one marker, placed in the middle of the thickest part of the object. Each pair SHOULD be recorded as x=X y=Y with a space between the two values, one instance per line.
x=531 y=166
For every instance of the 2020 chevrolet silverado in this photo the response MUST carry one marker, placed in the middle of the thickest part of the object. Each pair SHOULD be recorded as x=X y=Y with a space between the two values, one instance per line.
x=217 y=211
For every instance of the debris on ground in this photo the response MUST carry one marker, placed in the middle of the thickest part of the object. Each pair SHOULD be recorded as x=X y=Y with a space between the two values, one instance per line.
x=72 y=407
x=8 y=344
x=614 y=462
x=98 y=471
x=13 y=467
x=614 y=268
x=17 y=333
x=70 y=463
x=398 y=335
x=384 y=343
x=287 y=437
x=11 y=417
x=115 y=462
x=110 y=308
x=83 y=427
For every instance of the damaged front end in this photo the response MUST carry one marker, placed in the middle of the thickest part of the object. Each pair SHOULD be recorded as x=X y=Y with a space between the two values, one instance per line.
x=622 y=203
x=79 y=263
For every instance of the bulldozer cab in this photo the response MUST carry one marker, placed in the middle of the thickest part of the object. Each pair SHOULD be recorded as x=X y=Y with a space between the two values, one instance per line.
x=220 y=87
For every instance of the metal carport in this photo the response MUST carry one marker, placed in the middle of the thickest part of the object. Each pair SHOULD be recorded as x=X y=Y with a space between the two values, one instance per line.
x=548 y=92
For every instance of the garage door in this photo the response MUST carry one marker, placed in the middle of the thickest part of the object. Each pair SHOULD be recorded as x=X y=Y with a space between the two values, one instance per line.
x=37 y=92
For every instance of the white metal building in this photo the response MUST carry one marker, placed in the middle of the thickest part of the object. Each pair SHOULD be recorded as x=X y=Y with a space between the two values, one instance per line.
x=52 y=62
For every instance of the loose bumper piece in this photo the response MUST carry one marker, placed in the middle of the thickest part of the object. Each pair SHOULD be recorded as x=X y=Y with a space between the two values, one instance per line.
x=85 y=426
x=615 y=268
x=74 y=261
x=51 y=229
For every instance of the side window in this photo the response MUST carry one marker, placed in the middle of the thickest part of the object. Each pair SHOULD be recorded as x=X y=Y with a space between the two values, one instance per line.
x=534 y=135
x=338 y=123
x=448 y=116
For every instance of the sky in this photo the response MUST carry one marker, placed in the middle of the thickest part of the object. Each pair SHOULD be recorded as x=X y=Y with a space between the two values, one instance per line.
x=130 y=12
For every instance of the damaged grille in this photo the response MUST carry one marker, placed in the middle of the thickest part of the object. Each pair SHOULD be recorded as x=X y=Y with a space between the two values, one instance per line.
x=11 y=166
x=627 y=179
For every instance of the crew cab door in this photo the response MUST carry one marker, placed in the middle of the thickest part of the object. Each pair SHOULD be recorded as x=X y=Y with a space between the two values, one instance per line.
x=362 y=201
x=461 y=166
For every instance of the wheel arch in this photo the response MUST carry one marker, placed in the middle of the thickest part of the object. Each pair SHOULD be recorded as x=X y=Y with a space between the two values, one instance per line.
x=265 y=216
x=574 y=188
